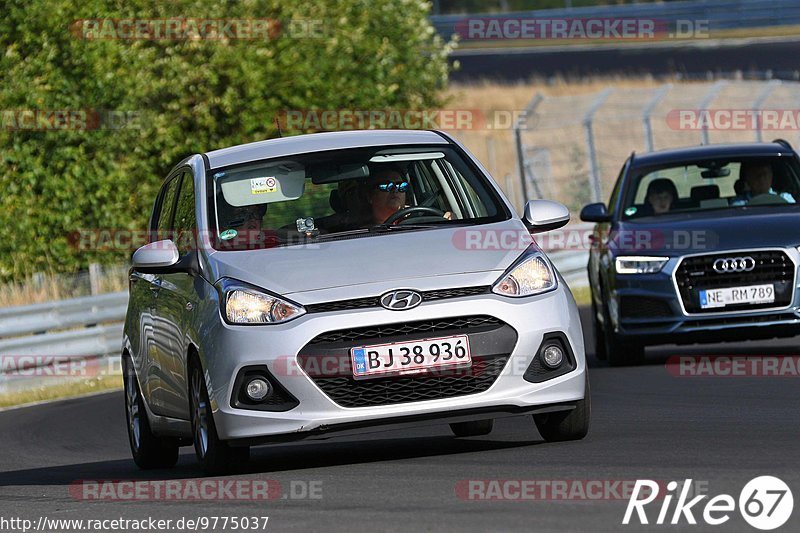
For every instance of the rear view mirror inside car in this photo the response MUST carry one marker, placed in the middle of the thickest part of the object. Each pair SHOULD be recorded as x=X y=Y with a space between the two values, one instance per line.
x=716 y=173
x=330 y=174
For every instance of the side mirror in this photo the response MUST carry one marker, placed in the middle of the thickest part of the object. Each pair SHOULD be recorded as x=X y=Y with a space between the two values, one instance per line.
x=156 y=255
x=595 y=213
x=545 y=215
x=162 y=257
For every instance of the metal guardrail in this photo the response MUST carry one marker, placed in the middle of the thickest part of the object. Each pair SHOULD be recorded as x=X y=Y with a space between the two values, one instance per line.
x=570 y=260
x=16 y=321
x=82 y=327
x=720 y=14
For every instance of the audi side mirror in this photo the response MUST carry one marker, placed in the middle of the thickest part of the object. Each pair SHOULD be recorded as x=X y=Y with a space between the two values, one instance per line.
x=595 y=213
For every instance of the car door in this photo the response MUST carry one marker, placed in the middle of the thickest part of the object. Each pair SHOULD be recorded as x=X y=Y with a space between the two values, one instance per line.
x=160 y=224
x=175 y=305
x=142 y=290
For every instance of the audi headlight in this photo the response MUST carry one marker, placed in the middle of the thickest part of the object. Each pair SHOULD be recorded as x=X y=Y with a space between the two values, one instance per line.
x=637 y=264
x=532 y=275
x=243 y=304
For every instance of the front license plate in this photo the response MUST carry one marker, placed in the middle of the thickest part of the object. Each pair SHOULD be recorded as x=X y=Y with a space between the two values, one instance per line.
x=752 y=294
x=410 y=357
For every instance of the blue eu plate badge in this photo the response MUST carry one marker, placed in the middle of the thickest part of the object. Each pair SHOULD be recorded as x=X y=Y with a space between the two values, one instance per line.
x=359 y=361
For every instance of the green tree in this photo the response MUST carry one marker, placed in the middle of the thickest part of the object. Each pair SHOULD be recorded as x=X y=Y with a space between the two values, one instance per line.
x=185 y=96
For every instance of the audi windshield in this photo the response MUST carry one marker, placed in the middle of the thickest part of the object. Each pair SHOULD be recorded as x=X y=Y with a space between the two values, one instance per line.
x=712 y=185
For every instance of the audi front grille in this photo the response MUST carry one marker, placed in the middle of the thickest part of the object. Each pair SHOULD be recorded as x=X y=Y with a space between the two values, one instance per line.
x=735 y=269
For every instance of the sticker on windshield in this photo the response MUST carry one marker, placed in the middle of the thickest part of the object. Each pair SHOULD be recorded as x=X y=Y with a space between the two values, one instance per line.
x=263 y=185
x=630 y=211
x=228 y=234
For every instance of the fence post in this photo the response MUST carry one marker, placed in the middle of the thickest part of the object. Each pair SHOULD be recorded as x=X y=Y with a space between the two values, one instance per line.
x=94 y=278
x=529 y=109
x=759 y=101
x=491 y=156
x=594 y=167
x=648 y=110
x=709 y=97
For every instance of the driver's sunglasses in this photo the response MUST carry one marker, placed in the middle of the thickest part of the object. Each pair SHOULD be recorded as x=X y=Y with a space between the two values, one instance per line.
x=389 y=186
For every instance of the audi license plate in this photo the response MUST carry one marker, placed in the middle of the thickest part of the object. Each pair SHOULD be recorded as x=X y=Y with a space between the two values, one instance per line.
x=414 y=357
x=752 y=294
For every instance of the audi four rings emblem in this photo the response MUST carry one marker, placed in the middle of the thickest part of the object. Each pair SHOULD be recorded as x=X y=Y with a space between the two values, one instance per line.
x=734 y=264
x=401 y=300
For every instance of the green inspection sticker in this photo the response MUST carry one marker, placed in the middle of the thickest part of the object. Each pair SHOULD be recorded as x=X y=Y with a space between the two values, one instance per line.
x=630 y=211
x=228 y=234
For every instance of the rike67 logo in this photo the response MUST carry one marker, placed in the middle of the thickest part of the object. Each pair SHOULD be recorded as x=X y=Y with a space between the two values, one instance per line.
x=765 y=503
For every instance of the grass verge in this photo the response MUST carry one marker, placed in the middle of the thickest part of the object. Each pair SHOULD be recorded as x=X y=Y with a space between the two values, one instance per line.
x=583 y=295
x=61 y=391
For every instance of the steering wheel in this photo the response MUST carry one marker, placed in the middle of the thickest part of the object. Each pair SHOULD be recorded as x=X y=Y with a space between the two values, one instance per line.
x=767 y=199
x=407 y=212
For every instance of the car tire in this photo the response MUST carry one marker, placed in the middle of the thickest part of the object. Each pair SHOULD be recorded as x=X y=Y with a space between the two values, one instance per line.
x=567 y=425
x=472 y=429
x=148 y=450
x=624 y=353
x=599 y=335
x=215 y=456
x=617 y=352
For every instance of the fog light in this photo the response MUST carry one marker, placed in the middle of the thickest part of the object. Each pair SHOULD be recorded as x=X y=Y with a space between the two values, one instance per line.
x=258 y=389
x=552 y=356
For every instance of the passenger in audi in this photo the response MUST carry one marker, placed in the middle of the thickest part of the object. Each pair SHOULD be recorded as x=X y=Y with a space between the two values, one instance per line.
x=661 y=196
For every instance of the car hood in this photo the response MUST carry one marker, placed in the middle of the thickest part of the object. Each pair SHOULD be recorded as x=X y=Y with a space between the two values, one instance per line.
x=676 y=235
x=362 y=260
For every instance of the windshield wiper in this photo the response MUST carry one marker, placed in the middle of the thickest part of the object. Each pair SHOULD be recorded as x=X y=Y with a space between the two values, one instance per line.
x=380 y=228
x=323 y=236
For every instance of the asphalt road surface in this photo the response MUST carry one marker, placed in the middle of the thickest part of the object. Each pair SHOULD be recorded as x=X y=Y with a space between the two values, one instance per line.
x=647 y=423
x=693 y=59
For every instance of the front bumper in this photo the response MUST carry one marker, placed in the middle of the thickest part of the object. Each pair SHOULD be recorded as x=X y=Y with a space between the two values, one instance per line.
x=237 y=347
x=647 y=309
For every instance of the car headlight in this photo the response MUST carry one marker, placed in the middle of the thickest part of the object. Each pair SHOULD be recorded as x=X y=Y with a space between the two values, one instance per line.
x=532 y=275
x=247 y=305
x=636 y=264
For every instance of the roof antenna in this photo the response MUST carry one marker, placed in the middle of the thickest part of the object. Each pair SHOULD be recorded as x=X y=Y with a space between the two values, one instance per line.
x=278 y=125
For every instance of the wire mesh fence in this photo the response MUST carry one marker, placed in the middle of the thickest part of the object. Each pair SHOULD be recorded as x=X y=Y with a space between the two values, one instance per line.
x=571 y=148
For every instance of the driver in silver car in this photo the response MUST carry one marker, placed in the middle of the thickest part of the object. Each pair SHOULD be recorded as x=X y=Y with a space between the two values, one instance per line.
x=386 y=193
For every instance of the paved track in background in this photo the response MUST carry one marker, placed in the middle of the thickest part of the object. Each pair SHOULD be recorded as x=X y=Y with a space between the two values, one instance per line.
x=694 y=60
x=646 y=423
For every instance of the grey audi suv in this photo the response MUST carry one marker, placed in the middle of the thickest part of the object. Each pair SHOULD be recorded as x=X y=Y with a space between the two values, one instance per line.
x=336 y=283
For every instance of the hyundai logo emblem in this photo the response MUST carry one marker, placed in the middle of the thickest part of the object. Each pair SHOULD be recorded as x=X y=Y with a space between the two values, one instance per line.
x=734 y=264
x=401 y=300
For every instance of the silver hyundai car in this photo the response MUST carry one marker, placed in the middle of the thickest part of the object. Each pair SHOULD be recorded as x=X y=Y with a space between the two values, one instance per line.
x=337 y=283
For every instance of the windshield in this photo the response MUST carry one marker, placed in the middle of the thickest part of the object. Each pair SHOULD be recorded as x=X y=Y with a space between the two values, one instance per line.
x=713 y=184
x=347 y=193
